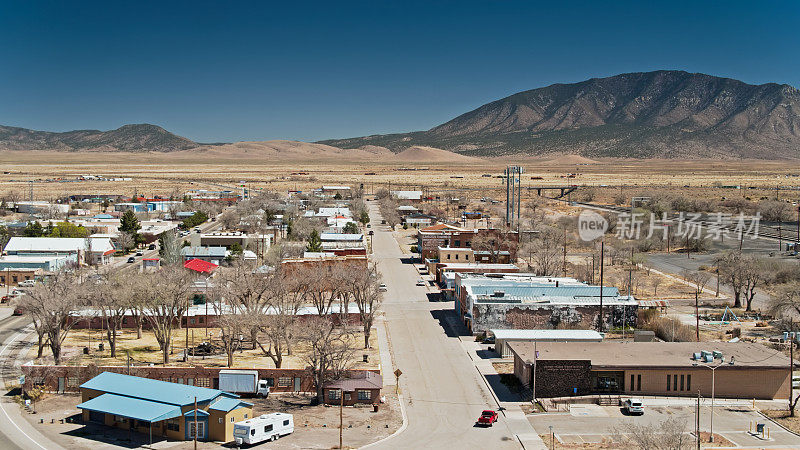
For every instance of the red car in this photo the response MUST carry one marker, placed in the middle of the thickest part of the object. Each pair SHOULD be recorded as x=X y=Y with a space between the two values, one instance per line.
x=487 y=418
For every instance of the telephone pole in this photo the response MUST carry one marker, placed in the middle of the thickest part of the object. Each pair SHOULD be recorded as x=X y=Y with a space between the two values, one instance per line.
x=602 y=263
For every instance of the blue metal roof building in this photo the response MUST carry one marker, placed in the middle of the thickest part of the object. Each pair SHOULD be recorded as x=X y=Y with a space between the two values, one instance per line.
x=160 y=407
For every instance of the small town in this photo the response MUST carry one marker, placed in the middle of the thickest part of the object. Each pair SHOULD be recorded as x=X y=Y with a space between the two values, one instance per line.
x=400 y=225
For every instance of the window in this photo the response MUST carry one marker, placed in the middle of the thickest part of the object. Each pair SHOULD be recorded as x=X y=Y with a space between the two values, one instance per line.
x=668 y=378
x=364 y=394
x=689 y=382
x=448 y=256
x=245 y=416
x=631 y=382
x=456 y=256
x=284 y=381
x=267 y=428
x=180 y=380
x=639 y=382
x=120 y=419
x=72 y=382
x=270 y=382
x=38 y=381
x=334 y=394
x=200 y=319
x=253 y=432
x=173 y=425
x=220 y=420
x=14 y=278
x=681 y=382
x=190 y=381
x=675 y=382
x=285 y=422
x=458 y=243
x=231 y=419
x=204 y=382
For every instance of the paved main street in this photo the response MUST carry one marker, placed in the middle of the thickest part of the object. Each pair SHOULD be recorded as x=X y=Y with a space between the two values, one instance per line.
x=444 y=392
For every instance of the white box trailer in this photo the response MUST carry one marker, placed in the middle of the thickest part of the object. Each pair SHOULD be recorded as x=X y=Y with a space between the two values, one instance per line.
x=266 y=427
x=243 y=382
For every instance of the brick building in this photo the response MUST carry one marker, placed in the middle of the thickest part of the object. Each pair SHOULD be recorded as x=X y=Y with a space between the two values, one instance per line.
x=745 y=370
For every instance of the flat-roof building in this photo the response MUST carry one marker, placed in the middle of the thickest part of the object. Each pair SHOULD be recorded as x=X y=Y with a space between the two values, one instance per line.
x=525 y=301
x=743 y=370
x=504 y=337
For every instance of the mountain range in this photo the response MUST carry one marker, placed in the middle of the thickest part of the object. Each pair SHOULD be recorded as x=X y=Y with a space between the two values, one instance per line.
x=667 y=114
x=127 y=138
x=660 y=114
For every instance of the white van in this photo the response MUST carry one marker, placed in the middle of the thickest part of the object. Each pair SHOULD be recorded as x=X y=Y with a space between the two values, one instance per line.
x=266 y=427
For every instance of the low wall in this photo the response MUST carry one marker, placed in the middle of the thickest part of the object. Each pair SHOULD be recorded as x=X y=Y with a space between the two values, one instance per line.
x=69 y=378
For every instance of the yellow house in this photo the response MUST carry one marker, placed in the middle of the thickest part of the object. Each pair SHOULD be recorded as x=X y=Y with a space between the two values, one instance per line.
x=161 y=408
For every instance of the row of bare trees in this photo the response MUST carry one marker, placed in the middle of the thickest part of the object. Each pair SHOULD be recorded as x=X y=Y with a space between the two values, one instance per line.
x=263 y=308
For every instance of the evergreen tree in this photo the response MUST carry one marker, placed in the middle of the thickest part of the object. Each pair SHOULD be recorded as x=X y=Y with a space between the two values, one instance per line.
x=314 y=242
x=350 y=228
x=33 y=229
x=129 y=223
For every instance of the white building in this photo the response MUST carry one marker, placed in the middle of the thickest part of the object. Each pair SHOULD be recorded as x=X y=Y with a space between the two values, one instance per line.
x=92 y=250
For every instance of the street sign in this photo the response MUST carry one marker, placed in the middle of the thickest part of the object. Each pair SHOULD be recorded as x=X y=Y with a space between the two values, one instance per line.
x=398 y=372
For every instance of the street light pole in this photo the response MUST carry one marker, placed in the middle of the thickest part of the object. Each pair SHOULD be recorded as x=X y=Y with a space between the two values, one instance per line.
x=713 y=392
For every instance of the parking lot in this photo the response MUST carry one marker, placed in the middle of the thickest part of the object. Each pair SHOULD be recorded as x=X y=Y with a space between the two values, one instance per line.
x=593 y=424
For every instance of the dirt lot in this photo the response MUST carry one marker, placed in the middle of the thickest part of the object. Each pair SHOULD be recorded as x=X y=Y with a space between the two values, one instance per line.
x=146 y=350
x=316 y=427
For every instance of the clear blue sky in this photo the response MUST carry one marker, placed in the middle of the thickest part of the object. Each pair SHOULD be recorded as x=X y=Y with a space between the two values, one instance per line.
x=255 y=71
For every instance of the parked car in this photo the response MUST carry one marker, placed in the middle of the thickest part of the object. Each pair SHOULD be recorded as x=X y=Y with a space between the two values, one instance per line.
x=487 y=418
x=139 y=253
x=131 y=259
x=633 y=406
x=27 y=283
x=420 y=282
x=151 y=247
x=382 y=287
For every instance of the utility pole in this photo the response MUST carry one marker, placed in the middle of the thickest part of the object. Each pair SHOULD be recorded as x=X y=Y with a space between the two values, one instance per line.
x=535 y=357
x=697 y=421
x=791 y=367
x=602 y=263
x=341 y=413
x=195 y=423
x=564 y=258
x=697 y=314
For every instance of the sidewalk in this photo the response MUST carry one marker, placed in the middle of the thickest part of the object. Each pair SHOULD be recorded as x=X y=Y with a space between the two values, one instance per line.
x=509 y=402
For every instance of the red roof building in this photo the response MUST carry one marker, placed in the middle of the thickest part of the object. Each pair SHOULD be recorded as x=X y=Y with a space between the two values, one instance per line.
x=200 y=266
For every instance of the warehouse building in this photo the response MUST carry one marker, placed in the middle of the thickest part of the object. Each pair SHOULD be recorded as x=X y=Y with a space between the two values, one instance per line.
x=160 y=408
x=525 y=301
x=740 y=370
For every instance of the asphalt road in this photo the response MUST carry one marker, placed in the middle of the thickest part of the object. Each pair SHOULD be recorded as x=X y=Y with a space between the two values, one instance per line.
x=443 y=391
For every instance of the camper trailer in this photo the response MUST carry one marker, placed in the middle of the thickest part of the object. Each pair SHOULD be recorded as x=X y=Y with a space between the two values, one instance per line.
x=266 y=427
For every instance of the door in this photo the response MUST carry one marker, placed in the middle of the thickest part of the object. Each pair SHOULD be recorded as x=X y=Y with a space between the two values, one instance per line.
x=201 y=430
x=97 y=417
x=61 y=385
x=297 y=384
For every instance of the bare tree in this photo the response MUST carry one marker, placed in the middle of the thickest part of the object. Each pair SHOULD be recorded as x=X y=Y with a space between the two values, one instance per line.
x=109 y=295
x=655 y=282
x=730 y=266
x=51 y=305
x=667 y=435
x=364 y=288
x=325 y=284
x=544 y=253
x=165 y=299
x=494 y=244
x=330 y=351
x=246 y=291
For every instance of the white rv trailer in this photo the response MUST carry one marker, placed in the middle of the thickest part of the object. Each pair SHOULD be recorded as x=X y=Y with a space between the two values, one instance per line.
x=266 y=427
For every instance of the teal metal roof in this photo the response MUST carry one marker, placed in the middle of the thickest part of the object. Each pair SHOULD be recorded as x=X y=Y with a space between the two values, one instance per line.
x=520 y=290
x=134 y=408
x=229 y=404
x=153 y=390
x=200 y=413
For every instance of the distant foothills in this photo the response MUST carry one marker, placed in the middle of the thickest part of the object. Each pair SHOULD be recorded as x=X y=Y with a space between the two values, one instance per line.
x=660 y=114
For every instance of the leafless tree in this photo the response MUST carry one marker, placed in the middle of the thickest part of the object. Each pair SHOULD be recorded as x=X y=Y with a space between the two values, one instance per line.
x=730 y=266
x=667 y=435
x=655 y=282
x=325 y=285
x=51 y=305
x=544 y=254
x=363 y=286
x=330 y=351
x=109 y=296
x=246 y=291
x=165 y=299
x=698 y=278
x=494 y=244
x=125 y=241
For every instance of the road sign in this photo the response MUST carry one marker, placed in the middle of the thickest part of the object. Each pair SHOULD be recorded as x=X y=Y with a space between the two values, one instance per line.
x=398 y=372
